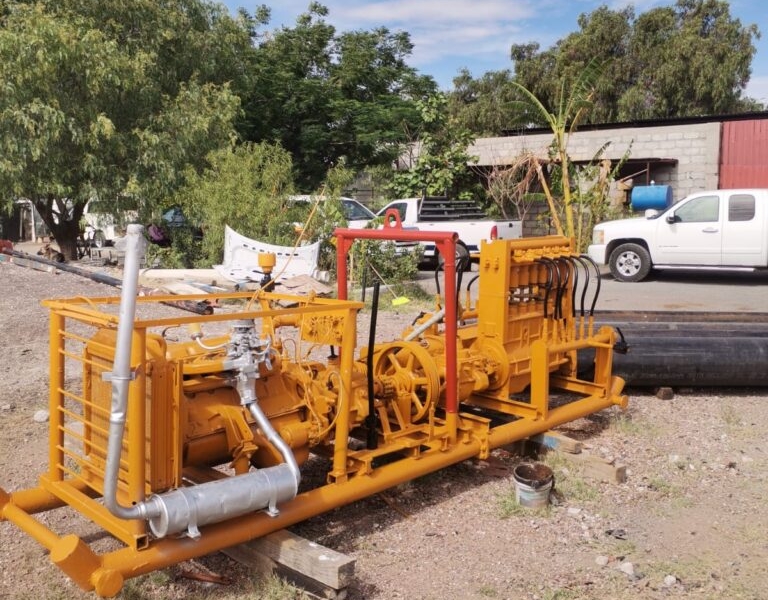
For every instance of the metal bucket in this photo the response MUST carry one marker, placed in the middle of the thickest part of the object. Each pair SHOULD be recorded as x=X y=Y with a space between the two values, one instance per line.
x=533 y=482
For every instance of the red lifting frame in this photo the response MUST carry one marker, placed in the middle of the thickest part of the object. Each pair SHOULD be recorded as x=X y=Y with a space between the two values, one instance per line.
x=445 y=241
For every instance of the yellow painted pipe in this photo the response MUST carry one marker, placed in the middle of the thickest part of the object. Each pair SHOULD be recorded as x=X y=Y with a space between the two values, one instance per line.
x=35 y=500
x=26 y=522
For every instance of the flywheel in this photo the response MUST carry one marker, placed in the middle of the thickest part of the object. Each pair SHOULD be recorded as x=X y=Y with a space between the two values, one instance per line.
x=411 y=371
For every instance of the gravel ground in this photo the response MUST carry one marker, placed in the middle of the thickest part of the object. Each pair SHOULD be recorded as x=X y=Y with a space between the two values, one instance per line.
x=688 y=523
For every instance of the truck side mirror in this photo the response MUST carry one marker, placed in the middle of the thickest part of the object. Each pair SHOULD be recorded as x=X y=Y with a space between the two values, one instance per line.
x=671 y=218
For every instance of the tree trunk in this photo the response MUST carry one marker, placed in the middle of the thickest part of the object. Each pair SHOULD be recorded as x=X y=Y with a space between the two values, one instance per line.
x=68 y=243
x=65 y=229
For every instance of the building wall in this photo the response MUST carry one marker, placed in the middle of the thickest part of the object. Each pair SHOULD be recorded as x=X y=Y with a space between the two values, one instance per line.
x=695 y=147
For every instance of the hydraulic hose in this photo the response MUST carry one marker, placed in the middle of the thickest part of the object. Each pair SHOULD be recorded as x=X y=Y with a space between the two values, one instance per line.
x=575 y=270
x=560 y=262
x=585 y=266
x=550 y=282
x=597 y=276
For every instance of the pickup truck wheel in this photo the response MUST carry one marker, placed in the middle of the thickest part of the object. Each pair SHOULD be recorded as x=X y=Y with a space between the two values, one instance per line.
x=99 y=241
x=462 y=258
x=630 y=262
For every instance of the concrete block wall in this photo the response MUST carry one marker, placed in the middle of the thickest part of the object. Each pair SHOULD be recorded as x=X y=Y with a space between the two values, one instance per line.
x=695 y=147
x=537 y=221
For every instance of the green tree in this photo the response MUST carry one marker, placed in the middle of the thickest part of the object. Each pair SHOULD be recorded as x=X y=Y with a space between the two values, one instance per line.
x=110 y=99
x=689 y=59
x=695 y=61
x=484 y=106
x=332 y=98
x=439 y=163
x=246 y=188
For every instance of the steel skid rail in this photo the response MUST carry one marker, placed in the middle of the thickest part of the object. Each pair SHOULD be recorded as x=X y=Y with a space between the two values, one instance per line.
x=148 y=412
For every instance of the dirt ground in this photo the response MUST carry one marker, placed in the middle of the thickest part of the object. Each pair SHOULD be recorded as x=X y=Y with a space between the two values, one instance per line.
x=688 y=523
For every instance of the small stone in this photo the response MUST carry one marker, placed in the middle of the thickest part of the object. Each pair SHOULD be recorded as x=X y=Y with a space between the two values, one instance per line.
x=6 y=407
x=627 y=568
x=573 y=511
x=602 y=560
x=670 y=580
x=41 y=416
x=665 y=393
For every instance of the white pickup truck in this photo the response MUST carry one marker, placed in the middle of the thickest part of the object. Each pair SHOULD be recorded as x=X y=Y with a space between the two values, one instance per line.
x=438 y=213
x=719 y=229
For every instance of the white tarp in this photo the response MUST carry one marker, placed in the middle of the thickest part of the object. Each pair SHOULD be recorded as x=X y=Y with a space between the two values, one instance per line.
x=241 y=258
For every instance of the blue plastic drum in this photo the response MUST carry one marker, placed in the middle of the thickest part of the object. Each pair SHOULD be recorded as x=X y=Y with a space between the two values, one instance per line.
x=657 y=197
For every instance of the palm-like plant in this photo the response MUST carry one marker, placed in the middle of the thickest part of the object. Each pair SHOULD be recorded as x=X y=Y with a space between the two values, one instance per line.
x=573 y=103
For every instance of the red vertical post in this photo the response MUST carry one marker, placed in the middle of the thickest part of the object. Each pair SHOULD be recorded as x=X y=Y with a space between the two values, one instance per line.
x=343 y=244
x=445 y=241
x=448 y=250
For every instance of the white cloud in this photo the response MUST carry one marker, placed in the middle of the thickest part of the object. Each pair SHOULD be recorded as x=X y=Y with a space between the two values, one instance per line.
x=431 y=12
x=465 y=41
x=462 y=32
x=640 y=6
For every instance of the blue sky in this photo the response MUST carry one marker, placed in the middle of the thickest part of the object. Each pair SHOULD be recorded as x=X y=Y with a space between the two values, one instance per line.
x=449 y=35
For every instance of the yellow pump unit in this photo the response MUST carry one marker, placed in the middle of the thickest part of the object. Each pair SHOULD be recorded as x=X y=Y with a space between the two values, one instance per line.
x=183 y=435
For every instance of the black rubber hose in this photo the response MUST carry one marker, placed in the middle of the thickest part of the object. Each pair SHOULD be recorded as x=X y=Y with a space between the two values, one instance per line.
x=597 y=291
x=461 y=266
x=557 y=286
x=563 y=285
x=370 y=420
x=572 y=261
x=586 y=281
x=548 y=286
x=556 y=283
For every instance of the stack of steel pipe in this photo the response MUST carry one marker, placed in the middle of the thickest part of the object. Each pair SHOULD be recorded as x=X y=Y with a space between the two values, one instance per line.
x=690 y=348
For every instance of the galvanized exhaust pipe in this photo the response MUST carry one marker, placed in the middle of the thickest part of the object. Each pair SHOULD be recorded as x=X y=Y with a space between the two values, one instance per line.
x=122 y=376
x=184 y=509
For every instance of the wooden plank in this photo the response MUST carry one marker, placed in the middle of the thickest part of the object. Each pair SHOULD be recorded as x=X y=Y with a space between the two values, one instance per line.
x=592 y=467
x=321 y=571
x=557 y=441
x=599 y=469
